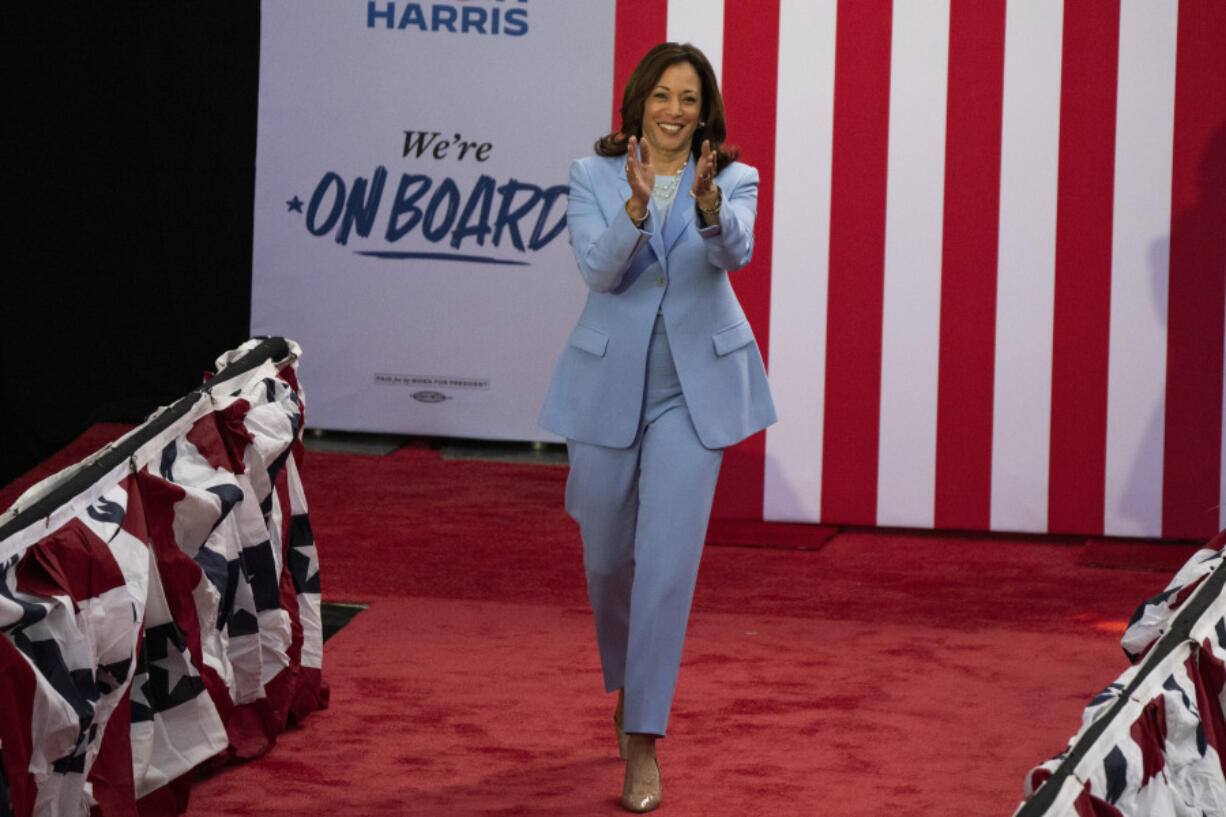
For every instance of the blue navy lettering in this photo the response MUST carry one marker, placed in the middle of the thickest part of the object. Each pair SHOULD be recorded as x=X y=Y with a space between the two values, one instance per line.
x=528 y=216
x=508 y=17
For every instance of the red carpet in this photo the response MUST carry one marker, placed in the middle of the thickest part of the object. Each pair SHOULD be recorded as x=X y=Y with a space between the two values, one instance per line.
x=885 y=673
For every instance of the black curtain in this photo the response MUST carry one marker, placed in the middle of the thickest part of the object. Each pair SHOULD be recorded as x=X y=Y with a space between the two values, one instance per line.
x=132 y=133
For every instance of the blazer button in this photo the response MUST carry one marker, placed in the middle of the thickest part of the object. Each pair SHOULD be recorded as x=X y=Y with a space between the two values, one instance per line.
x=661 y=281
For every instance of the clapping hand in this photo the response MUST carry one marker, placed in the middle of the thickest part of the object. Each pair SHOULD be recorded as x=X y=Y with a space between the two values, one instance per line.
x=704 y=174
x=642 y=178
x=639 y=171
x=704 y=190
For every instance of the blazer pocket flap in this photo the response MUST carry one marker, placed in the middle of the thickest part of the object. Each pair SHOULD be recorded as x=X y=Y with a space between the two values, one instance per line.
x=732 y=338
x=589 y=340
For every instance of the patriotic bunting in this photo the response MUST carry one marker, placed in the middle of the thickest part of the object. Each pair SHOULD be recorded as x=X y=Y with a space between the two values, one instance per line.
x=167 y=615
x=1153 y=743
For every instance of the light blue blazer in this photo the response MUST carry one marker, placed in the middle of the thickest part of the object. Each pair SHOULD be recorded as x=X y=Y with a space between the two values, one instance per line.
x=596 y=395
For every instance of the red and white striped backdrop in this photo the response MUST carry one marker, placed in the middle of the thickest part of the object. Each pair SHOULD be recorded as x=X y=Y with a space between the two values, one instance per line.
x=989 y=278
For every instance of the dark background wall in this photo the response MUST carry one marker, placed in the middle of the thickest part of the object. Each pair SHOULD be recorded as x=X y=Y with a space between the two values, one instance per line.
x=132 y=130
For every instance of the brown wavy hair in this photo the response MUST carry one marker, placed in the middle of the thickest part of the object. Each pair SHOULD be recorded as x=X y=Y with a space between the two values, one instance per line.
x=644 y=79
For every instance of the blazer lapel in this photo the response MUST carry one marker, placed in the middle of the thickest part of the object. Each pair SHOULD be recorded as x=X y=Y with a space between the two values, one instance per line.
x=657 y=238
x=681 y=216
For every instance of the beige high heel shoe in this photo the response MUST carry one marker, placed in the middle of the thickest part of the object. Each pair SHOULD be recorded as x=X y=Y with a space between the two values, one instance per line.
x=643 y=788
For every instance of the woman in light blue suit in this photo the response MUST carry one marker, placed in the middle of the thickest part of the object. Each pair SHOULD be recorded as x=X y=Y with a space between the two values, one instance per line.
x=660 y=374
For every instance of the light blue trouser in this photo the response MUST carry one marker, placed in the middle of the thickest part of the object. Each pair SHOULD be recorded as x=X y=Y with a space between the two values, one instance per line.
x=643 y=512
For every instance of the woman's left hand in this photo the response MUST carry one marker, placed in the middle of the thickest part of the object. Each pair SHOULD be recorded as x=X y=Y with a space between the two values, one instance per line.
x=704 y=189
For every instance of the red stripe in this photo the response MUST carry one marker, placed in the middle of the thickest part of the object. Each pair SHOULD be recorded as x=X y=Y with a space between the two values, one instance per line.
x=1082 y=310
x=111 y=775
x=857 y=261
x=1191 y=468
x=18 y=688
x=638 y=26
x=751 y=51
x=72 y=561
x=968 y=264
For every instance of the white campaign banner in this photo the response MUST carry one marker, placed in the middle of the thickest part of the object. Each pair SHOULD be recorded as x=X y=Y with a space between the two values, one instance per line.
x=410 y=203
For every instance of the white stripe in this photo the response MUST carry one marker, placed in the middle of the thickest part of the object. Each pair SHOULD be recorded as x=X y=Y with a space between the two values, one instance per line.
x=911 y=305
x=800 y=259
x=1136 y=385
x=1026 y=265
x=700 y=22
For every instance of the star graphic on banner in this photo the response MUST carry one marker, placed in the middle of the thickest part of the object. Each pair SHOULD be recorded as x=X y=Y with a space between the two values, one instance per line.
x=174 y=667
x=303 y=556
x=304 y=567
x=295 y=205
x=169 y=678
x=312 y=554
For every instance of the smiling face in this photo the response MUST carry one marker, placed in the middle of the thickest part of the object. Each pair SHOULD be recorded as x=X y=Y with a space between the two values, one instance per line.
x=672 y=110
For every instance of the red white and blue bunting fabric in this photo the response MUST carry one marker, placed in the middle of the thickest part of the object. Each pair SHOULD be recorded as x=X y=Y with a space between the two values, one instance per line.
x=1153 y=743
x=167 y=615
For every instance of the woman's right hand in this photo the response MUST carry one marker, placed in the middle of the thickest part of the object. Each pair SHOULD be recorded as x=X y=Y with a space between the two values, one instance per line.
x=641 y=175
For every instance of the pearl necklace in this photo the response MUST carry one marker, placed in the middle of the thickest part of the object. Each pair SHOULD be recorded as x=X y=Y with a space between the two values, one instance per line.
x=667 y=188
